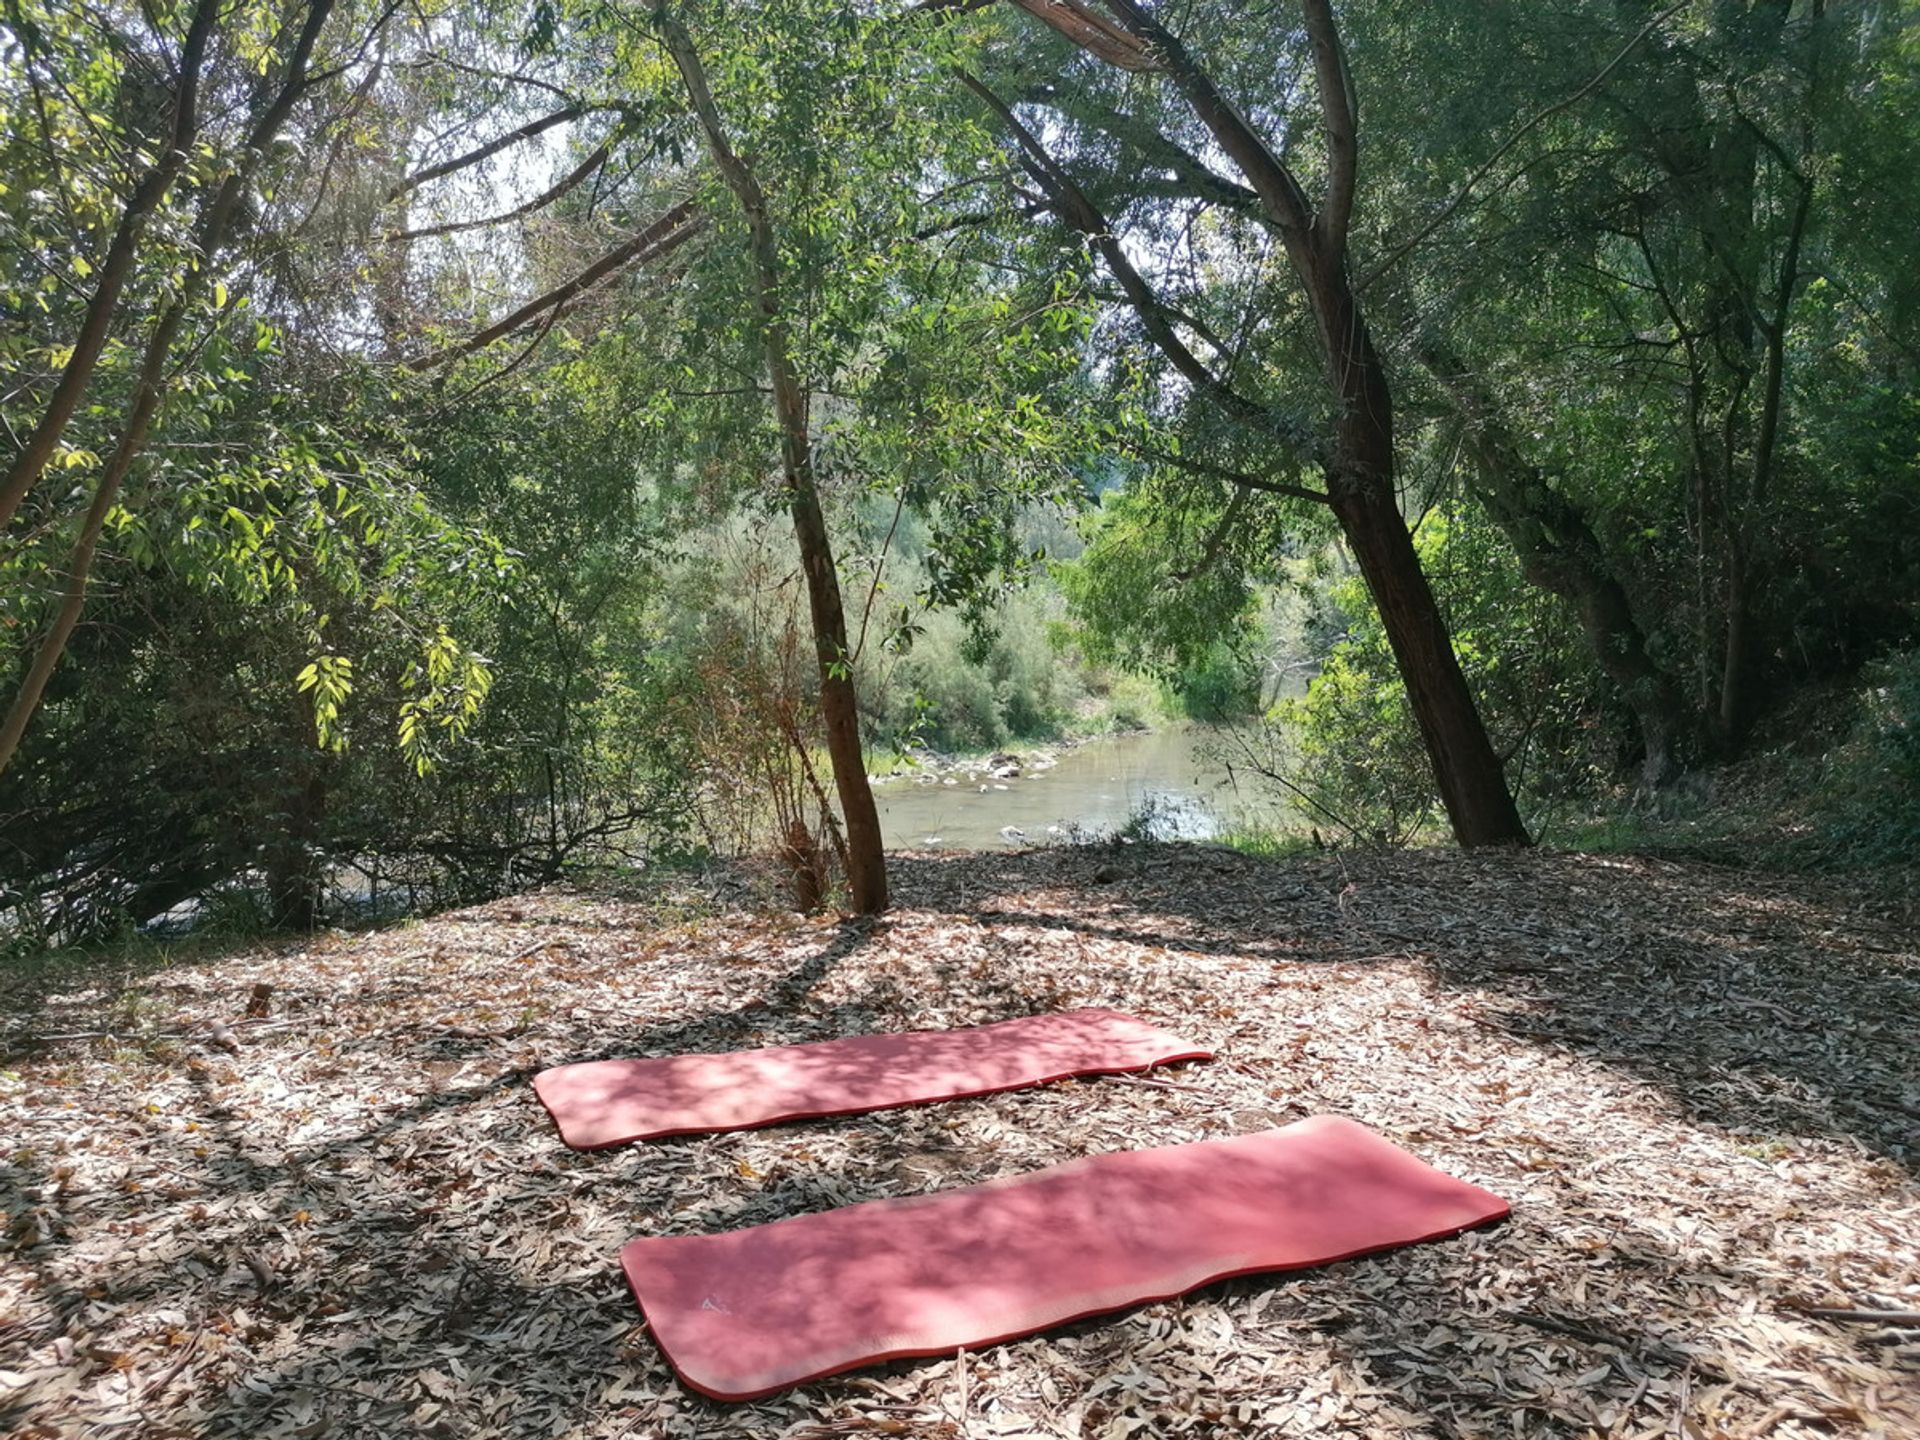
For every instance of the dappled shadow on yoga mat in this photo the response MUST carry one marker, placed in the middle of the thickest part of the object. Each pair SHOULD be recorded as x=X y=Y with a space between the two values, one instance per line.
x=749 y=1312
x=610 y=1102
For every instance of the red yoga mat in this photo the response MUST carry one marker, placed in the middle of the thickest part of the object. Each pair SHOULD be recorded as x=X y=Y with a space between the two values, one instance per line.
x=609 y=1102
x=749 y=1312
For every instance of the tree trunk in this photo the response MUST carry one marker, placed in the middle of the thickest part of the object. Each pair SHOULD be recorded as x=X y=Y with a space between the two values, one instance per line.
x=839 y=708
x=1360 y=487
x=24 y=472
x=294 y=880
x=150 y=389
x=1360 y=461
x=1472 y=785
x=866 y=856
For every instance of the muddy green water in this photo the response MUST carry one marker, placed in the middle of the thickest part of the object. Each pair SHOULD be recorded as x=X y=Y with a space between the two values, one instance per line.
x=1091 y=790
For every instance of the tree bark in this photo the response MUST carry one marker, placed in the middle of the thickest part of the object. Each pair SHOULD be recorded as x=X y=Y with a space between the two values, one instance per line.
x=657 y=238
x=1360 y=463
x=295 y=880
x=150 y=389
x=839 y=708
x=1714 y=166
x=1361 y=491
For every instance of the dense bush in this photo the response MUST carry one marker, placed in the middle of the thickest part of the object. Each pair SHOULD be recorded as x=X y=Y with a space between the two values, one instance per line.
x=966 y=685
x=390 y=681
x=1348 y=749
x=1876 y=781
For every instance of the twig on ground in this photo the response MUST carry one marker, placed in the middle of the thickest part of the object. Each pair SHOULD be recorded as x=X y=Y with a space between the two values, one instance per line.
x=159 y=1385
x=1153 y=1083
x=1901 y=1319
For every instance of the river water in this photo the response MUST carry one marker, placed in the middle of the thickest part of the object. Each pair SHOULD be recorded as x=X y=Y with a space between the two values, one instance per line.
x=1089 y=791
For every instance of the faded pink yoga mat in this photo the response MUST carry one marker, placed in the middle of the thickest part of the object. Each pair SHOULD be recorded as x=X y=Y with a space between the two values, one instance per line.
x=609 y=1102
x=745 y=1313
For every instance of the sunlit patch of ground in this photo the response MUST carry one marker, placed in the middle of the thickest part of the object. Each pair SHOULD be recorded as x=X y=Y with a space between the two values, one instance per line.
x=350 y=1218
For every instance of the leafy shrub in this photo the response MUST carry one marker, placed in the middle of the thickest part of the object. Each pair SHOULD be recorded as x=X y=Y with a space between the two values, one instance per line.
x=962 y=686
x=1216 y=684
x=1349 y=751
x=1876 y=784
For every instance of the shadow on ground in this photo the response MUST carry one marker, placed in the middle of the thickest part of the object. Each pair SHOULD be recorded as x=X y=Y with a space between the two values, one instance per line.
x=423 y=1258
x=1763 y=1004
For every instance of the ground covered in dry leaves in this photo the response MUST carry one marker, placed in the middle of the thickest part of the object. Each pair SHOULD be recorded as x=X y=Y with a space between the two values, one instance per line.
x=1699 y=1088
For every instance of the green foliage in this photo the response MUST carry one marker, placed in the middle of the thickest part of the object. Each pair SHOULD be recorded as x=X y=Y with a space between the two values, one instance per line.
x=1266 y=844
x=1149 y=594
x=1876 y=788
x=1617 y=286
x=1349 y=749
x=441 y=623
x=970 y=690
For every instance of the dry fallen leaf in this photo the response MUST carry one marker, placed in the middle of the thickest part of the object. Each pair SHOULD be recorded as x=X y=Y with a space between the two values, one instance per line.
x=1694 y=1084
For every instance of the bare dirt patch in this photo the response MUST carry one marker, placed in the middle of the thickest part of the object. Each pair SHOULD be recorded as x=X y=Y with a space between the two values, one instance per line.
x=349 y=1217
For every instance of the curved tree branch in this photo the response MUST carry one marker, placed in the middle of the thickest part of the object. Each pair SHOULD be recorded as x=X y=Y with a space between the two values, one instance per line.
x=1240 y=478
x=1073 y=206
x=1280 y=193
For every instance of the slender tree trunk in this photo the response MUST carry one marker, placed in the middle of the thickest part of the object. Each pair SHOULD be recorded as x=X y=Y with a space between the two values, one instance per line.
x=839 y=707
x=294 y=881
x=839 y=710
x=1360 y=486
x=1717 y=165
x=148 y=395
x=150 y=389
x=73 y=595
x=1745 y=568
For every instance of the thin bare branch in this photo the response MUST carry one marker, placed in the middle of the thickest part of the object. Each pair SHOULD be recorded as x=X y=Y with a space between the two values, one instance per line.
x=528 y=131
x=663 y=236
x=539 y=202
x=1217 y=541
x=1241 y=478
